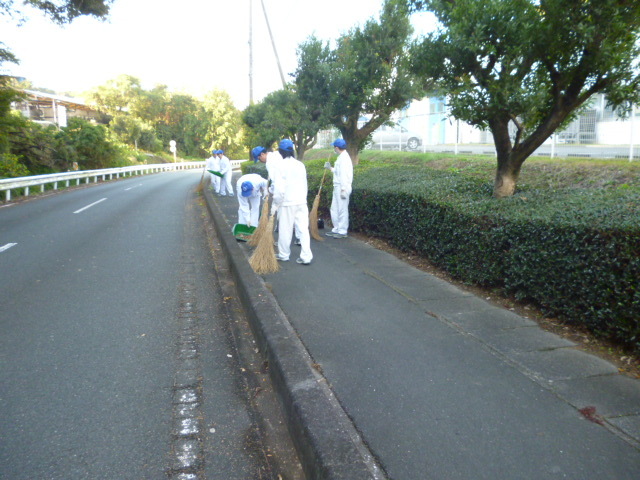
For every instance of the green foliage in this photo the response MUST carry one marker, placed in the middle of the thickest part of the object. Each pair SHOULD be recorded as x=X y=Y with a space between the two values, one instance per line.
x=122 y=94
x=35 y=145
x=574 y=251
x=528 y=64
x=60 y=12
x=86 y=144
x=366 y=74
x=282 y=114
x=151 y=119
x=8 y=120
x=135 y=132
x=224 y=128
x=10 y=166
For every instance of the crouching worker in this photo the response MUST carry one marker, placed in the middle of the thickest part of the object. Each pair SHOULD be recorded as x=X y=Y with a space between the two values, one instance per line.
x=250 y=189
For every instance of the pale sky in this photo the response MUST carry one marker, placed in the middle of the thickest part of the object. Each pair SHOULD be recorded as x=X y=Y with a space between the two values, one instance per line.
x=191 y=46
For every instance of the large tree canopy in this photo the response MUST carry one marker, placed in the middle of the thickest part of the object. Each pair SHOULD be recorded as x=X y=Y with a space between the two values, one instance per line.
x=283 y=114
x=528 y=63
x=363 y=80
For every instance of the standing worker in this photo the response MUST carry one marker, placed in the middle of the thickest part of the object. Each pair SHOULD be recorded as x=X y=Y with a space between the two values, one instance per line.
x=290 y=201
x=213 y=163
x=225 y=169
x=271 y=160
x=342 y=179
x=250 y=189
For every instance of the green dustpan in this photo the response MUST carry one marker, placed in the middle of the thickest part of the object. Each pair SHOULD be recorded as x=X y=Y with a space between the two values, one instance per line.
x=242 y=232
x=217 y=174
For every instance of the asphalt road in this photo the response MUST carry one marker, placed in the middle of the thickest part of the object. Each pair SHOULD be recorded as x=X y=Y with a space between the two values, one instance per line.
x=119 y=346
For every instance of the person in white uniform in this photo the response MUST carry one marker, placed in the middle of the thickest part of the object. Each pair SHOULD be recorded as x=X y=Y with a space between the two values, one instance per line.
x=273 y=161
x=342 y=179
x=250 y=188
x=290 y=201
x=213 y=163
x=225 y=169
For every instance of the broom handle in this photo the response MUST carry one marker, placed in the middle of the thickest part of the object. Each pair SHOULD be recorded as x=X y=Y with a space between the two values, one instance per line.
x=322 y=181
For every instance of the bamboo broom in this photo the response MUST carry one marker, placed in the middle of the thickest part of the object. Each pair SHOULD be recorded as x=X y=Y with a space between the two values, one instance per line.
x=262 y=224
x=313 y=214
x=264 y=259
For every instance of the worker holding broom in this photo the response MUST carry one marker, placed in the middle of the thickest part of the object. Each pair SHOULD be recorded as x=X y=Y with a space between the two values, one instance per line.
x=273 y=161
x=290 y=201
x=342 y=179
x=250 y=189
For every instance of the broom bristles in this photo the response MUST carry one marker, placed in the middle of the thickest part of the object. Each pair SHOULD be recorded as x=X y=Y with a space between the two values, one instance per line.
x=313 y=214
x=264 y=259
x=262 y=225
x=313 y=219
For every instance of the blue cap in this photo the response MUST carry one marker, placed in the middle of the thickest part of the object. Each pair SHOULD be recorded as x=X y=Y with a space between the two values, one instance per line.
x=340 y=143
x=213 y=152
x=221 y=151
x=286 y=145
x=255 y=153
x=247 y=188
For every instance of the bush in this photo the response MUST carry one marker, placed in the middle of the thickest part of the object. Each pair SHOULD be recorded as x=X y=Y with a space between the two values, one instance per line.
x=10 y=167
x=575 y=252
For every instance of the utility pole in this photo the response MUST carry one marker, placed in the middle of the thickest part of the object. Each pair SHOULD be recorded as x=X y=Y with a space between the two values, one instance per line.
x=250 y=52
x=273 y=44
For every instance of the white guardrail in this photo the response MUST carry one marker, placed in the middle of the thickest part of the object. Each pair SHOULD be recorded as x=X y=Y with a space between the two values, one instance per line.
x=26 y=183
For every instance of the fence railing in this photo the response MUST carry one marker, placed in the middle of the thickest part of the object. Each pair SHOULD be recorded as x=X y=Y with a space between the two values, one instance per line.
x=88 y=176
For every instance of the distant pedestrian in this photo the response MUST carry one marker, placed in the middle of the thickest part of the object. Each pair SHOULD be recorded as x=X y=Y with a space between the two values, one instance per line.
x=226 y=171
x=250 y=188
x=213 y=164
x=290 y=201
x=342 y=179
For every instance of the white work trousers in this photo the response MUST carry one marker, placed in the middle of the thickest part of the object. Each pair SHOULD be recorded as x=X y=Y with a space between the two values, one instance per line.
x=290 y=217
x=215 y=182
x=225 y=183
x=249 y=209
x=339 y=212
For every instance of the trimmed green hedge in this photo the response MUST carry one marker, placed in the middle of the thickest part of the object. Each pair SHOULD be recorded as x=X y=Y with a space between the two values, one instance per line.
x=574 y=252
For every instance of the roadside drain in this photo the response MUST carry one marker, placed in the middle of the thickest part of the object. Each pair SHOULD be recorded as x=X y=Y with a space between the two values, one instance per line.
x=187 y=450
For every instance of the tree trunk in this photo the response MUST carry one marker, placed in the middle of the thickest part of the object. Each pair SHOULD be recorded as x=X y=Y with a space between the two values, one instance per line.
x=507 y=175
x=353 y=153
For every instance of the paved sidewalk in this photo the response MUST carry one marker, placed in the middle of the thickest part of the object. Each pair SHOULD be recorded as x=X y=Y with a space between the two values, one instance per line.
x=426 y=381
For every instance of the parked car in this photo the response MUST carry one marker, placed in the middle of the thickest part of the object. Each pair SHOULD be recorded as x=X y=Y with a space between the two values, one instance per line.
x=395 y=138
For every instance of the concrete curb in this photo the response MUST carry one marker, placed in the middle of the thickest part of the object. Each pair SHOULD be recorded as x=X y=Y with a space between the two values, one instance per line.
x=327 y=443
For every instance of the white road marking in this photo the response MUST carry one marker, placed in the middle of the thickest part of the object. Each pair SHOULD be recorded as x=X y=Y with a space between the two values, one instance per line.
x=7 y=246
x=89 y=206
x=131 y=188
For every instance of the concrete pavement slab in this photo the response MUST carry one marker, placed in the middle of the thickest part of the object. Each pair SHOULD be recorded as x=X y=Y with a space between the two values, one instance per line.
x=563 y=364
x=612 y=395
